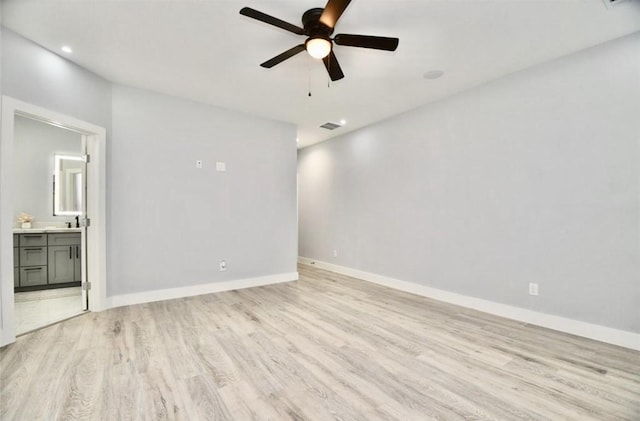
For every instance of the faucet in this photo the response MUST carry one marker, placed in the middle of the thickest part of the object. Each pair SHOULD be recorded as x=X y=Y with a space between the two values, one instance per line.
x=77 y=221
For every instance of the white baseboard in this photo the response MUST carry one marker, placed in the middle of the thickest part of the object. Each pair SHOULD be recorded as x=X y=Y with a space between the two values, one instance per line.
x=575 y=327
x=189 y=291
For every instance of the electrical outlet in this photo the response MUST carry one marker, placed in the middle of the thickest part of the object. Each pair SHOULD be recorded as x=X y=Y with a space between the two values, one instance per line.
x=533 y=288
x=335 y=253
x=223 y=266
x=199 y=163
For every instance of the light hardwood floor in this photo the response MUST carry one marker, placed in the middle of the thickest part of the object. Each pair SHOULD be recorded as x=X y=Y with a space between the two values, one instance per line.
x=327 y=347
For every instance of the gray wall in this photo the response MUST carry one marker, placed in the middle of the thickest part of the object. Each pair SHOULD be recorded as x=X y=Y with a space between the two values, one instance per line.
x=169 y=223
x=35 y=144
x=531 y=178
x=37 y=76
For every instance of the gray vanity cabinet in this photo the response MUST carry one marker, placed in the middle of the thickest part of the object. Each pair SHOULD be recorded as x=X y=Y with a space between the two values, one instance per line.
x=42 y=259
x=64 y=258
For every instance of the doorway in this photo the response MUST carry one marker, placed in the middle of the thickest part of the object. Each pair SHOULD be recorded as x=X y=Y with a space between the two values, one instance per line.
x=49 y=194
x=73 y=259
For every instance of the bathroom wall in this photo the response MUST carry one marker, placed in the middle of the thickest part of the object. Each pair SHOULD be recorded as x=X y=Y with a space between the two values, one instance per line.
x=35 y=144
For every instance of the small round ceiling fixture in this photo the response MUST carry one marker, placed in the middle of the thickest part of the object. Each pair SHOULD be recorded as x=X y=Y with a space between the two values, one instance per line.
x=433 y=74
x=318 y=47
x=343 y=122
x=67 y=49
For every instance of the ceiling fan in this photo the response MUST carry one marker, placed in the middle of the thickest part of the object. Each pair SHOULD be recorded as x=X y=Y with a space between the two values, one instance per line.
x=318 y=25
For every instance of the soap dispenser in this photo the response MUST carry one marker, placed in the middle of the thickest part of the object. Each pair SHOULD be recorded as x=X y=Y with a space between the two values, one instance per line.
x=68 y=224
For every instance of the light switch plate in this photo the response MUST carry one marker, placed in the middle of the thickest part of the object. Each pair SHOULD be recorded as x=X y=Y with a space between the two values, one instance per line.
x=221 y=166
x=199 y=163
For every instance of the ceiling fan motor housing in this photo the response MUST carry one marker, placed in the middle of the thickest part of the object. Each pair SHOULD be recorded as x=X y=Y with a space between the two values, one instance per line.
x=312 y=25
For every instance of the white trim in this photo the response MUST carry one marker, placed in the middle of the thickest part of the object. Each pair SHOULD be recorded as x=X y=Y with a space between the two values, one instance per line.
x=575 y=327
x=189 y=291
x=96 y=205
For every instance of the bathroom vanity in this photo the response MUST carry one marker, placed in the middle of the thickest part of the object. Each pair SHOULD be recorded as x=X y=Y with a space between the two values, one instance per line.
x=46 y=258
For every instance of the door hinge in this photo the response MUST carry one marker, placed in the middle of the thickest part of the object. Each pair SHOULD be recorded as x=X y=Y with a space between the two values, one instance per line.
x=86 y=286
x=87 y=158
x=86 y=222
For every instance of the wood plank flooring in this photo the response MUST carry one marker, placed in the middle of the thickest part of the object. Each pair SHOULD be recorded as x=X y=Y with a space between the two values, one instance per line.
x=327 y=347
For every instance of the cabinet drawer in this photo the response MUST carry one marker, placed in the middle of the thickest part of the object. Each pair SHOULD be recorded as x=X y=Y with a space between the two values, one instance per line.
x=16 y=277
x=36 y=275
x=64 y=239
x=16 y=257
x=33 y=256
x=16 y=240
x=27 y=240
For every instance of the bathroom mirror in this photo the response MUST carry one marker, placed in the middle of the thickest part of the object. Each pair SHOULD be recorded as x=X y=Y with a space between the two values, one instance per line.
x=68 y=185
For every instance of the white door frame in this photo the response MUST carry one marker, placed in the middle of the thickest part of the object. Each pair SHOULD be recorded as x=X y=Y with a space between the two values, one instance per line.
x=96 y=206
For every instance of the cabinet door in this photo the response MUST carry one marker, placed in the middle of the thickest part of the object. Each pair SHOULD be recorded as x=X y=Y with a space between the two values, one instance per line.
x=16 y=277
x=61 y=264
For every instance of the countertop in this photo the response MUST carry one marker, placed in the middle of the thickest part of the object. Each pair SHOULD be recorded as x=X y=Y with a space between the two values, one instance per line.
x=44 y=230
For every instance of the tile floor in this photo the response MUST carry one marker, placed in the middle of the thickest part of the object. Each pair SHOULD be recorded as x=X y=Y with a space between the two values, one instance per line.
x=36 y=309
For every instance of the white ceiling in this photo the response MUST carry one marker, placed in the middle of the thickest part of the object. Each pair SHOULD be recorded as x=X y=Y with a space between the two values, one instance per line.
x=206 y=51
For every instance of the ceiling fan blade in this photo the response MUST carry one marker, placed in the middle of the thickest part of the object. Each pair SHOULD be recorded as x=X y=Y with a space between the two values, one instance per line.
x=333 y=67
x=367 y=41
x=282 y=57
x=332 y=12
x=263 y=17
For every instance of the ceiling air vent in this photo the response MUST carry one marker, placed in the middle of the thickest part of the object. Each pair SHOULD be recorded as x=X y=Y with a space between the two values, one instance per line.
x=333 y=126
x=611 y=3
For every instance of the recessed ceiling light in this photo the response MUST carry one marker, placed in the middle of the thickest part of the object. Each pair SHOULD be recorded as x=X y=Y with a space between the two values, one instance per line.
x=343 y=122
x=67 y=49
x=433 y=74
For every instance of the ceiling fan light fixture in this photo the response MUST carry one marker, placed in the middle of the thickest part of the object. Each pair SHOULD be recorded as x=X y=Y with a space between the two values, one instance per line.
x=318 y=47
